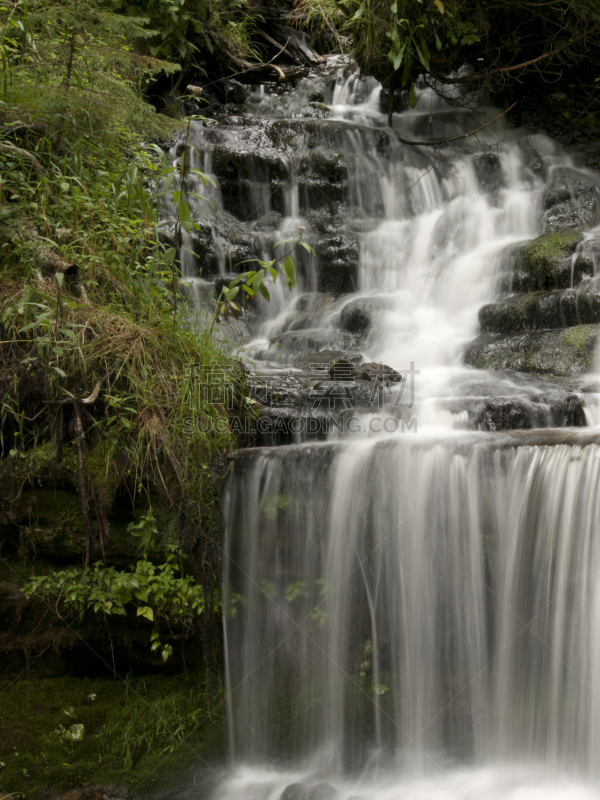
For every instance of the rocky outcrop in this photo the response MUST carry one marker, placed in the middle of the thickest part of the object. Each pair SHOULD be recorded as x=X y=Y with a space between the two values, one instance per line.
x=571 y=202
x=338 y=262
x=547 y=263
x=550 y=324
x=567 y=352
x=538 y=311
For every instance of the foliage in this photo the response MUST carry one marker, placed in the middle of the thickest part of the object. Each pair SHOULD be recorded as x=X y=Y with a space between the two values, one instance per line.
x=99 y=347
x=396 y=40
x=181 y=27
x=157 y=592
x=253 y=281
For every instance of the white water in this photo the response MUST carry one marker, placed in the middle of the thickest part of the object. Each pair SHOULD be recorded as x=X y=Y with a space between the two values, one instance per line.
x=462 y=567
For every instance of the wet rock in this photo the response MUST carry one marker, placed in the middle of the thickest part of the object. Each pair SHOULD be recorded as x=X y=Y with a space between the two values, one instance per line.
x=317 y=96
x=235 y=92
x=557 y=192
x=319 y=110
x=269 y=222
x=276 y=390
x=338 y=263
x=375 y=371
x=543 y=310
x=342 y=370
x=588 y=257
x=222 y=243
x=488 y=171
x=357 y=316
x=301 y=791
x=562 y=353
x=309 y=340
x=333 y=219
x=505 y=415
x=553 y=410
x=318 y=363
x=571 y=202
x=322 y=179
x=545 y=262
x=534 y=161
x=252 y=182
x=570 y=215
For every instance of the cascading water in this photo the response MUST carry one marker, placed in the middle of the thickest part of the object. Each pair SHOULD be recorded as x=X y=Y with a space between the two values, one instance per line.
x=407 y=615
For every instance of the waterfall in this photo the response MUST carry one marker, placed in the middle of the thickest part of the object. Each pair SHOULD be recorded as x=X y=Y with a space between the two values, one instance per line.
x=410 y=611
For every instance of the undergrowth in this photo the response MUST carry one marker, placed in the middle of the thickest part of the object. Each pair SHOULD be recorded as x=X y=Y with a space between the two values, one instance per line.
x=100 y=356
x=144 y=733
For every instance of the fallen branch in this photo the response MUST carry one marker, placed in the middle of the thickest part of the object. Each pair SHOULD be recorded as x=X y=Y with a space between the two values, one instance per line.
x=455 y=138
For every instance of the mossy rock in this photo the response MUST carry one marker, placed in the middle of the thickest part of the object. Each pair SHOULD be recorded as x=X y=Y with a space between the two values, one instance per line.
x=537 y=311
x=545 y=263
x=562 y=353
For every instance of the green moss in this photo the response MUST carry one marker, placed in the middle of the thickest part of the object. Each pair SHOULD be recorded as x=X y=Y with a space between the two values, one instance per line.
x=37 y=760
x=37 y=466
x=581 y=338
x=545 y=262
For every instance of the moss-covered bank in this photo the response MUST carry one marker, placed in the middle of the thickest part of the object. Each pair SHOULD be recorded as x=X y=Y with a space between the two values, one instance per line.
x=148 y=735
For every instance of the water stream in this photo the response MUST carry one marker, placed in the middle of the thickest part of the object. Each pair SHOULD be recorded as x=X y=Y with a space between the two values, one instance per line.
x=408 y=614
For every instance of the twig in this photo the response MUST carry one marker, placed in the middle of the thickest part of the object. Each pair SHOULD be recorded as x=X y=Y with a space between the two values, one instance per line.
x=456 y=138
x=523 y=65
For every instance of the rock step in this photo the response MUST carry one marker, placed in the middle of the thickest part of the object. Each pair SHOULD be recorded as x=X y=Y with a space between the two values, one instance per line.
x=546 y=263
x=564 y=353
x=537 y=311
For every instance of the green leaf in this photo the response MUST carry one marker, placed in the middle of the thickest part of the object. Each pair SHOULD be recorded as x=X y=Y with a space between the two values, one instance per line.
x=183 y=210
x=289 y=270
x=422 y=58
x=412 y=95
x=60 y=372
x=146 y=611
x=230 y=294
x=264 y=291
x=65 y=186
x=439 y=5
x=381 y=689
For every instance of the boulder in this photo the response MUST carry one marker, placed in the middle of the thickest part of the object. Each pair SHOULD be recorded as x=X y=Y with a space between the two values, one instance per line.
x=563 y=352
x=553 y=410
x=357 y=315
x=342 y=370
x=543 y=310
x=318 y=363
x=338 y=263
x=545 y=263
x=302 y=791
x=375 y=371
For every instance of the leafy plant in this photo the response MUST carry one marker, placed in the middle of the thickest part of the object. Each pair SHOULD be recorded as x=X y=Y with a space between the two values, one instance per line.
x=156 y=592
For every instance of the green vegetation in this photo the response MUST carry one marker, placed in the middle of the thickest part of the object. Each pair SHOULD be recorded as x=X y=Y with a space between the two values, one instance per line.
x=509 y=45
x=146 y=733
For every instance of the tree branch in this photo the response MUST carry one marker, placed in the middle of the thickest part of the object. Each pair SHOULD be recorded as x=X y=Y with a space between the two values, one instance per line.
x=456 y=138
